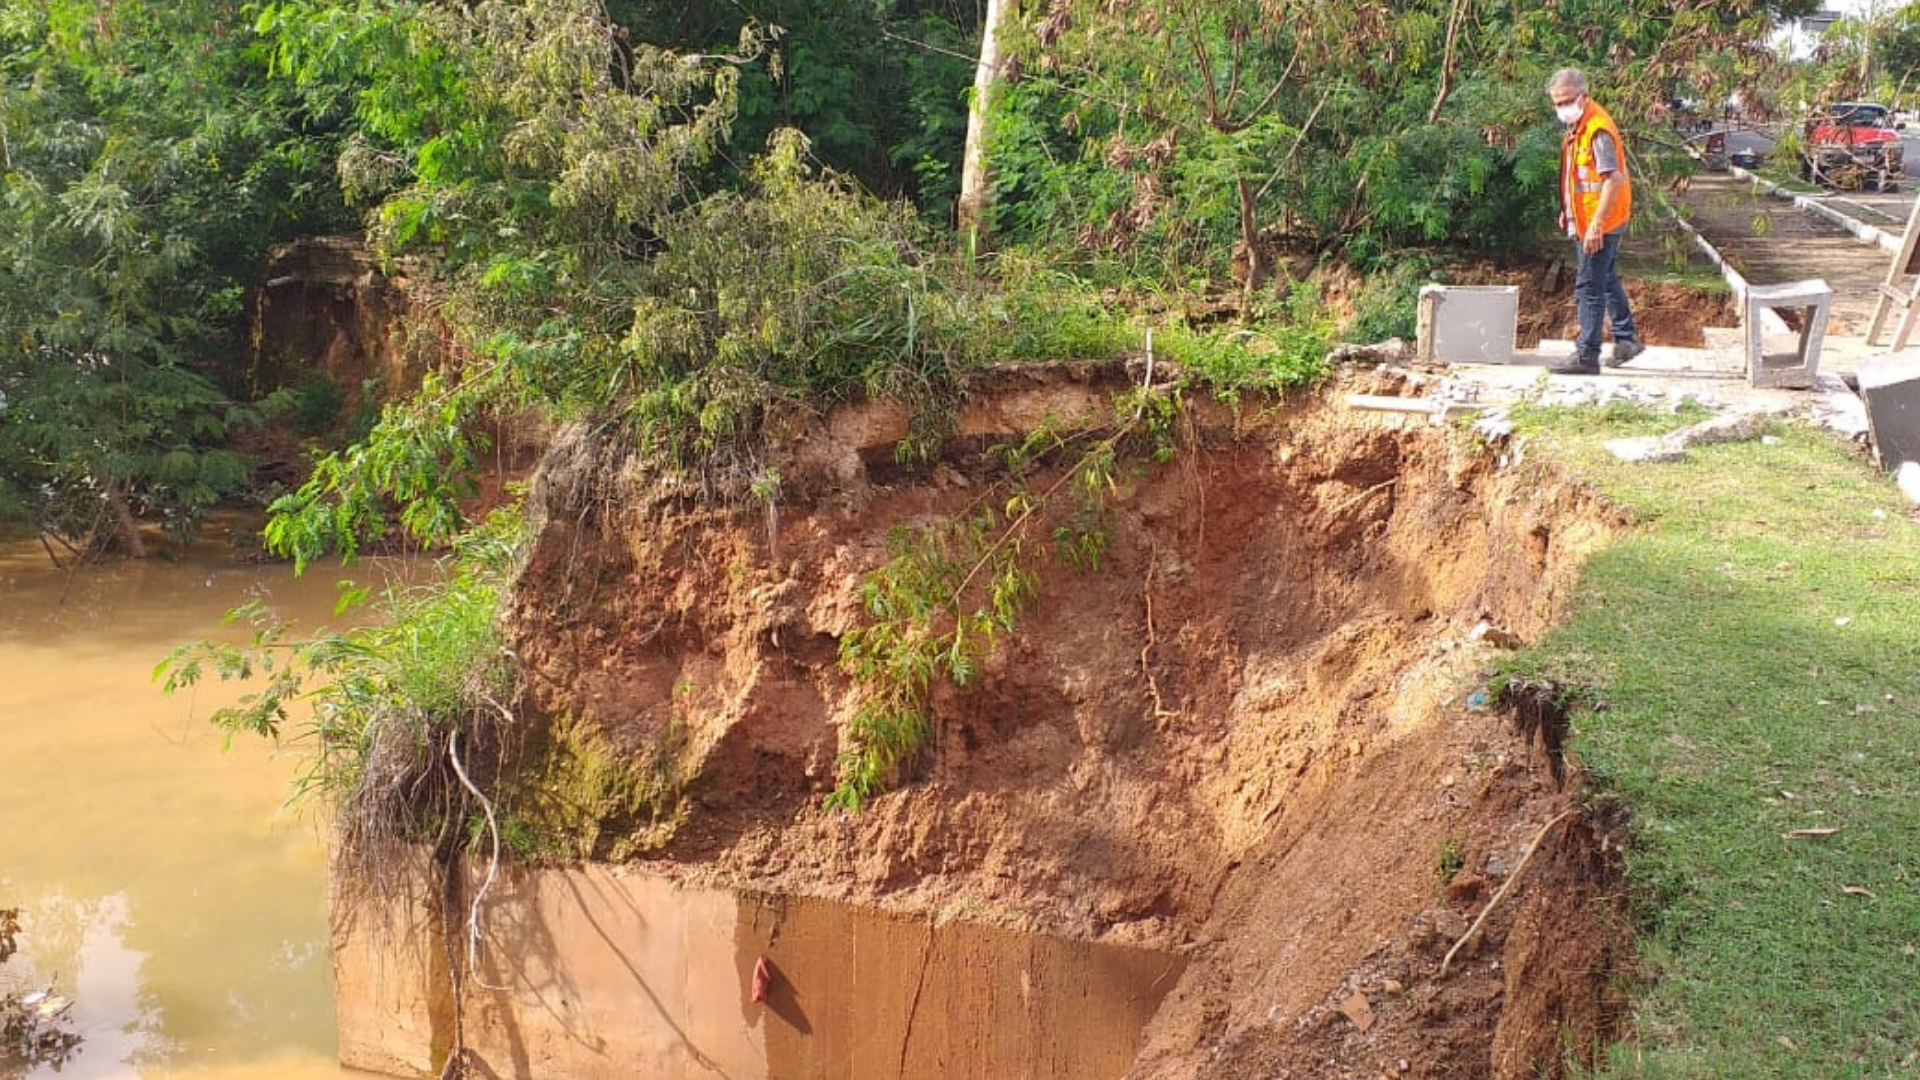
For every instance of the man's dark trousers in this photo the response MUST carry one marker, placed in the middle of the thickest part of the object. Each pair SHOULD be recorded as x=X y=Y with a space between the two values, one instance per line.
x=1596 y=292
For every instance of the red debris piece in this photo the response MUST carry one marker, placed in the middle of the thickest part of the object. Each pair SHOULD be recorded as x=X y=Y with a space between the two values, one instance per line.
x=762 y=976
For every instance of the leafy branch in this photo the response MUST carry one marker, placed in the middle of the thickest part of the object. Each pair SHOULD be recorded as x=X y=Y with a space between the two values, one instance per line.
x=374 y=703
x=949 y=592
x=414 y=469
x=400 y=714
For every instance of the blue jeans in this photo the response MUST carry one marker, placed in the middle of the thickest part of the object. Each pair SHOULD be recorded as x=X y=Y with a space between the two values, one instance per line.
x=1597 y=293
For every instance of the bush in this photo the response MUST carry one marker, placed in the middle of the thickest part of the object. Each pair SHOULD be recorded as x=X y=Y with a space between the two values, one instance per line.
x=803 y=287
x=1287 y=351
x=1387 y=303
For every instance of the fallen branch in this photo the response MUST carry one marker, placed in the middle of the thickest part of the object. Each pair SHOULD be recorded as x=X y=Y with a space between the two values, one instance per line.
x=1497 y=897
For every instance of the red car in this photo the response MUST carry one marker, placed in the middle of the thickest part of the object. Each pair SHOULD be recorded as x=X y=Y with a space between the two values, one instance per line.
x=1854 y=144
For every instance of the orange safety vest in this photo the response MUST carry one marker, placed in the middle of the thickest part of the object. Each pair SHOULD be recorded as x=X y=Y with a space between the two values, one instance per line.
x=1580 y=183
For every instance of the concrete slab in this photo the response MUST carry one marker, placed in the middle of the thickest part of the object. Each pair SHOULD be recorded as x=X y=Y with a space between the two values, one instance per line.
x=1664 y=374
x=1890 y=387
x=1671 y=361
x=1722 y=355
x=1663 y=377
x=1843 y=354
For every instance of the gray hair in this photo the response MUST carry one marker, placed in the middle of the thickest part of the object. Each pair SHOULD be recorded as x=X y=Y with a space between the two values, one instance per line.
x=1570 y=77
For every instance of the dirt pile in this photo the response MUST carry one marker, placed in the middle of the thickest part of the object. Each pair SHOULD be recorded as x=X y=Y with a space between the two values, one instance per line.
x=1256 y=733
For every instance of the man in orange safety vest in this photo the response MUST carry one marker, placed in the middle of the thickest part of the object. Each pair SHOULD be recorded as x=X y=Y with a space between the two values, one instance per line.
x=1596 y=199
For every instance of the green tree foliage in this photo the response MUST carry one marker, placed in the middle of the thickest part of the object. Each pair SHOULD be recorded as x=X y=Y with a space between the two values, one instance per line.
x=879 y=86
x=1897 y=52
x=799 y=287
x=549 y=176
x=523 y=158
x=144 y=172
x=1188 y=129
x=1873 y=54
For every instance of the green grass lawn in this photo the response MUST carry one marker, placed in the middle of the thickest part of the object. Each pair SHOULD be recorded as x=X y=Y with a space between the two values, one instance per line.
x=1749 y=658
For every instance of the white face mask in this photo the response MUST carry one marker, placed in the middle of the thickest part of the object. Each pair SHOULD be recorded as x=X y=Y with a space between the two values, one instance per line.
x=1570 y=112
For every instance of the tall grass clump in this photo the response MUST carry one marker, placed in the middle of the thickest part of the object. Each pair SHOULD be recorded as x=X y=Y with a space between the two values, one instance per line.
x=1283 y=352
x=390 y=713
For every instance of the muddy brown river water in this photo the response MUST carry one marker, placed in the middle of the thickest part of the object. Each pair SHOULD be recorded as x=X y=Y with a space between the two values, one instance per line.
x=167 y=888
x=163 y=883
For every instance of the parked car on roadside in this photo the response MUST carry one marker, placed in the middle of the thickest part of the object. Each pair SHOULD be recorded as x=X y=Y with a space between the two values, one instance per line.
x=1853 y=144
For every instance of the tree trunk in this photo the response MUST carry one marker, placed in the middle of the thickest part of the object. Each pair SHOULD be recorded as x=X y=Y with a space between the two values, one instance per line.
x=1447 y=62
x=1257 y=270
x=973 y=168
x=123 y=518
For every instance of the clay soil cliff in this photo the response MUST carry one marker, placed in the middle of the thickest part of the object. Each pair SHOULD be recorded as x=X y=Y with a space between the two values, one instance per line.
x=1255 y=734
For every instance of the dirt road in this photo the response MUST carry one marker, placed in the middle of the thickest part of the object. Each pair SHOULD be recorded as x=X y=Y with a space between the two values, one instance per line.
x=1770 y=241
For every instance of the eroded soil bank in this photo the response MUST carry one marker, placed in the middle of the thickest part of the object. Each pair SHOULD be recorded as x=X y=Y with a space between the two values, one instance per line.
x=1250 y=738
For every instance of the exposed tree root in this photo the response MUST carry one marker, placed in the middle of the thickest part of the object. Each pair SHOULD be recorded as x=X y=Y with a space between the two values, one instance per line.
x=1504 y=889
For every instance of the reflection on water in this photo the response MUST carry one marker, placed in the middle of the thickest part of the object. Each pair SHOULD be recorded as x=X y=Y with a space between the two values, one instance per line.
x=162 y=883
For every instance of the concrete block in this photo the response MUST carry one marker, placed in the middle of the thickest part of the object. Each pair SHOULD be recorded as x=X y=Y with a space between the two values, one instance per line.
x=1727 y=427
x=1467 y=324
x=1907 y=479
x=1796 y=365
x=1890 y=387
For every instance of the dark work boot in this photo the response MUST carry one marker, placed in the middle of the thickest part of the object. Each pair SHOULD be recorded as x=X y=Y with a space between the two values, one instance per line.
x=1624 y=351
x=1579 y=365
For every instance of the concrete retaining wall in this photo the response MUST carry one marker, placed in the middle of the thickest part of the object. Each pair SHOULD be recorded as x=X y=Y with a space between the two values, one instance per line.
x=602 y=973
